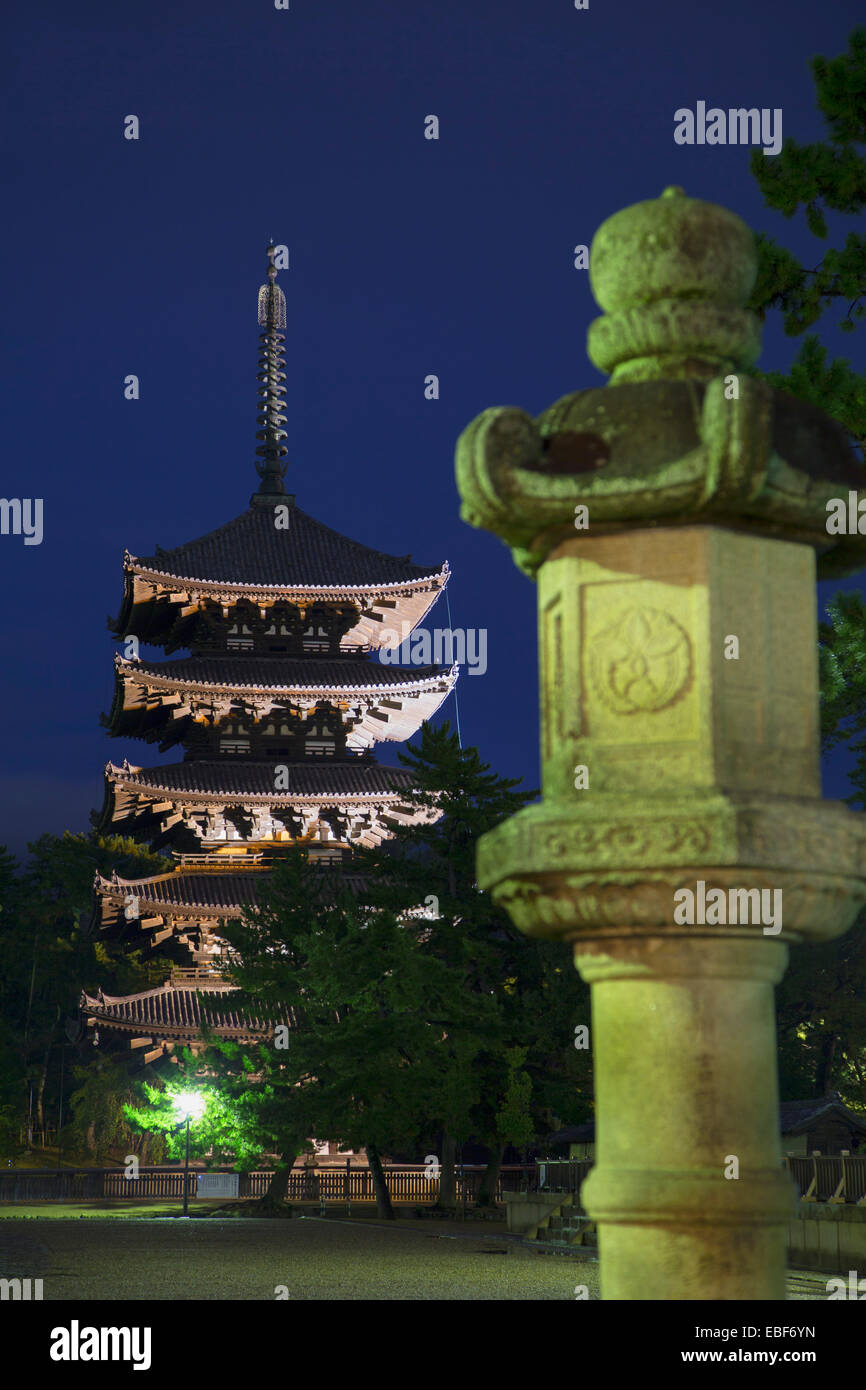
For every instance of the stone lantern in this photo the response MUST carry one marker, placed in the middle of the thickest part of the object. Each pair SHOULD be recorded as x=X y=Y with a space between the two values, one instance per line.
x=673 y=519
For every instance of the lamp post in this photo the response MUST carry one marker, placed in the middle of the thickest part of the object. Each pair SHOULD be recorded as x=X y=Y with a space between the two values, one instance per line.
x=189 y=1107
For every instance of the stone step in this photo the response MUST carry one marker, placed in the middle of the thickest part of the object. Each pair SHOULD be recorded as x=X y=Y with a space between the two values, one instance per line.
x=565 y=1230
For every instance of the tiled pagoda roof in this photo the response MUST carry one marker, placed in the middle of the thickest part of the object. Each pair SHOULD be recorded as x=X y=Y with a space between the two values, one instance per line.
x=225 y=891
x=250 y=561
x=176 y=797
x=250 y=550
x=226 y=778
x=284 y=673
x=221 y=889
x=174 y=1011
x=160 y=699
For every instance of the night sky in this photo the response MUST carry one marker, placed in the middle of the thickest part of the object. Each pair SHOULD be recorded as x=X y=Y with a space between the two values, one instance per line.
x=408 y=257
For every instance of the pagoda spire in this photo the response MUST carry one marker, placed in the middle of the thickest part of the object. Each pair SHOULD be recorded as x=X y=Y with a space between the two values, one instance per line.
x=271 y=378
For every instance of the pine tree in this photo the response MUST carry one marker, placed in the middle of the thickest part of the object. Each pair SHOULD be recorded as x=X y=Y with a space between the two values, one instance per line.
x=531 y=985
x=370 y=1008
x=822 y=178
x=842 y=660
x=46 y=961
x=821 y=1031
x=417 y=1008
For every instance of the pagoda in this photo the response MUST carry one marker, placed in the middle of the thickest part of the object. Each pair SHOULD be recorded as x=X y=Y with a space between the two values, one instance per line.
x=277 y=708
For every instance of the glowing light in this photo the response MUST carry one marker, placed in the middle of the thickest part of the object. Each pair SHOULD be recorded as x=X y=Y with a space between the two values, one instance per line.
x=191 y=1105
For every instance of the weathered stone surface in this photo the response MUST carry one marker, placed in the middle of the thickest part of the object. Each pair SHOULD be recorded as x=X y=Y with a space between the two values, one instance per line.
x=634 y=632
x=673 y=275
x=774 y=833
x=682 y=1034
x=670 y=757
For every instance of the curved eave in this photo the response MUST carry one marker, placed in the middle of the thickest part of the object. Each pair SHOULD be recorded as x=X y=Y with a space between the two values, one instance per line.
x=140 y=710
x=111 y=896
x=151 y=706
x=118 y=889
x=192 y=901
x=127 y=1014
x=168 y=914
x=118 y=781
x=413 y=682
x=383 y=608
x=103 y=818
x=163 y=812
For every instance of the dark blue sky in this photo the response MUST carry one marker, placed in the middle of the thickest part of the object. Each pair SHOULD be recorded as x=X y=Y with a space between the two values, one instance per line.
x=407 y=257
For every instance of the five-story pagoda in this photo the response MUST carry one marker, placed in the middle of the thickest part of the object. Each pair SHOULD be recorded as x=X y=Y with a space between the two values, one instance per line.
x=277 y=708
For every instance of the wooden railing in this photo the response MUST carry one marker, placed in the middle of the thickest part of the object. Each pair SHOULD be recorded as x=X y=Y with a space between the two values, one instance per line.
x=560 y=1174
x=818 y=1178
x=195 y=974
x=406 y=1184
x=829 y=1178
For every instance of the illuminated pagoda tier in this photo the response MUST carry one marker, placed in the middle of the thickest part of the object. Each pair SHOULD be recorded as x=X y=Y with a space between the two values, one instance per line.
x=277 y=708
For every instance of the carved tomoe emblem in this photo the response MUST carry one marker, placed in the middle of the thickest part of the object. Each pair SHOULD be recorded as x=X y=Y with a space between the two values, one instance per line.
x=641 y=663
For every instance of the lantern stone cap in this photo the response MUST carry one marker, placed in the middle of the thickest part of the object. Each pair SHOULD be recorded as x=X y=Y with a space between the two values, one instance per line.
x=684 y=433
x=673 y=275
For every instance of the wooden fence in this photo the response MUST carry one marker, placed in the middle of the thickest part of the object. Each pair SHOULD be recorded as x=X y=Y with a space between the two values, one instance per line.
x=406 y=1184
x=818 y=1178
x=829 y=1178
x=560 y=1174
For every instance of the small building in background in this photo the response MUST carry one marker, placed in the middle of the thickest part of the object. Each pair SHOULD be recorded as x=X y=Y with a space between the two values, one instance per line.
x=824 y=1124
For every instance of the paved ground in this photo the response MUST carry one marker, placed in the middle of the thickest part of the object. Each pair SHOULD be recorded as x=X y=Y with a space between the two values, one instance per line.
x=243 y=1260
x=93 y=1255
